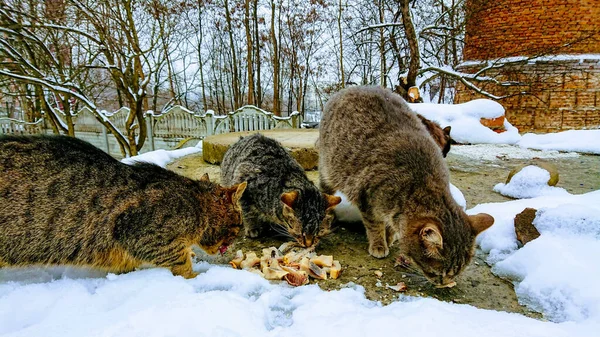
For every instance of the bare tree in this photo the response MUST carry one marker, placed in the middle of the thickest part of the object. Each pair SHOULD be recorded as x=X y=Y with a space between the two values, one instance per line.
x=48 y=69
x=235 y=82
x=249 y=49
x=275 y=60
x=339 y=26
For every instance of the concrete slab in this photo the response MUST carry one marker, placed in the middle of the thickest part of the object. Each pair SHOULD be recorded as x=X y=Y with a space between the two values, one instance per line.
x=300 y=142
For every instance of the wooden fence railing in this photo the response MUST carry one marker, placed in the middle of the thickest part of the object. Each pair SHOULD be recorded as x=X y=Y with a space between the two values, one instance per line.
x=173 y=125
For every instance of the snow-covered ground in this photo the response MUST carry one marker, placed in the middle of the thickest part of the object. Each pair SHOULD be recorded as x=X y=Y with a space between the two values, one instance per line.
x=226 y=302
x=556 y=274
x=493 y=152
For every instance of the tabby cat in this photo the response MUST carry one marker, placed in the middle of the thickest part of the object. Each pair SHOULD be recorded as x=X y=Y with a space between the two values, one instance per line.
x=440 y=136
x=279 y=195
x=376 y=151
x=63 y=201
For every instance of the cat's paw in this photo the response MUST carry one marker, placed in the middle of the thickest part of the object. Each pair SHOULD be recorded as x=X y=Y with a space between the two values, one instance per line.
x=379 y=251
x=190 y=275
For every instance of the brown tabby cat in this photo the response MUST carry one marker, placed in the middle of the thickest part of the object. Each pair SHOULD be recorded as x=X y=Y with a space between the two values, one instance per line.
x=279 y=195
x=375 y=150
x=440 y=136
x=63 y=201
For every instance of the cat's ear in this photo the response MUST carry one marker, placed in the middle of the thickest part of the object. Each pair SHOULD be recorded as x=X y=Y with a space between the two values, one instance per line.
x=289 y=198
x=431 y=237
x=447 y=130
x=205 y=178
x=234 y=193
x=480 y=222
x=332 y=200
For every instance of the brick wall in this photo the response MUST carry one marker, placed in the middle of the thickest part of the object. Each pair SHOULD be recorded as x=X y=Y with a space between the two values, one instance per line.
x=504 y=28
x=560 y=94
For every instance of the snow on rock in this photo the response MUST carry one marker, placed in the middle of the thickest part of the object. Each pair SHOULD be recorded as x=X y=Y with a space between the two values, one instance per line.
x=465 y=120
x=556 y=273
x=529 y=182
x=477 y=108
x=585 y=141
x=161 y=157
x=466 y=128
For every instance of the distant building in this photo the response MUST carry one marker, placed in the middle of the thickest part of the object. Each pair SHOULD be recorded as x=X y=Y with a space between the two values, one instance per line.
x=556 y=44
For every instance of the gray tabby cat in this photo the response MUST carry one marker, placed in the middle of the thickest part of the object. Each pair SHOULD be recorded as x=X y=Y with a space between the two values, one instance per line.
x=375 y=150
x=278 y=194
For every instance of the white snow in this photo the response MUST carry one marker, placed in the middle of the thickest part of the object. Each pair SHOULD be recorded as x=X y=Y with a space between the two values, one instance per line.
x=458 y=196
x=586 y=141
x=494 y=152
x=544 y=58
x=556 y=273
x=346 y=211
x=222 y=301
x=530 y=182
x=162 y=157
x=465 y=121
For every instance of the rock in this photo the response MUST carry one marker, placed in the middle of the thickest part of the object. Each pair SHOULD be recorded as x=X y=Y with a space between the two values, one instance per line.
x=496 y=124
x=546 y=166
x=524 y=227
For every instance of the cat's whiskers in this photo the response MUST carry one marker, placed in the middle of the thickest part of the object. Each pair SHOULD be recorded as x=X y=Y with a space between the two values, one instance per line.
x=282 y=231
x=411 y=271
x=413 y=275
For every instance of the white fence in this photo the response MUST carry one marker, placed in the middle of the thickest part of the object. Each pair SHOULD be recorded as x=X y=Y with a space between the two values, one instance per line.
x=165 y=130
x=18 y=127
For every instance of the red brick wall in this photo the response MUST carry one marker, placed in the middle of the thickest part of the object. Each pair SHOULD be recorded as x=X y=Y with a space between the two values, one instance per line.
x=559 y=94
x=503 y=28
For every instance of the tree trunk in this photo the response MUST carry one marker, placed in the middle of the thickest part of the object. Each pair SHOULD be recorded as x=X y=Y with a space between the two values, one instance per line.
x=234 y=78
x=257 y=56
x=413 y=43
x=199 y=49
x=383 y=70
x=339 y=22
x=165 y=47
x=249 y=48
x=276 y=101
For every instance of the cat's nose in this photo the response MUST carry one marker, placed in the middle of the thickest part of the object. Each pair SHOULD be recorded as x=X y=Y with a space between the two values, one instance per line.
x=308 y=240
